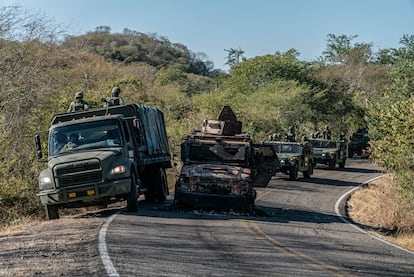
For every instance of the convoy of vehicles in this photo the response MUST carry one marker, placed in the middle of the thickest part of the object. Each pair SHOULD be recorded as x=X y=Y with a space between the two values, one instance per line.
x=221 y=165
x=294 y=157
x=105 y=155
x=329 y=152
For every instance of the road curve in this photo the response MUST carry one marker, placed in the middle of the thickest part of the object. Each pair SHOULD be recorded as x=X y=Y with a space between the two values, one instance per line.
x=294 y=232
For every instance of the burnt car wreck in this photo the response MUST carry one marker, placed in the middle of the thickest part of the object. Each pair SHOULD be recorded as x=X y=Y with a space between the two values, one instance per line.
x=221 y=165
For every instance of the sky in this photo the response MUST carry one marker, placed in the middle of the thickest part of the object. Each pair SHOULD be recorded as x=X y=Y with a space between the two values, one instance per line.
x=257 y=27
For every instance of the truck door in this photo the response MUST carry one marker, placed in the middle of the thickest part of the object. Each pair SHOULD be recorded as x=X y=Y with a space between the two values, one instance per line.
x=265 y=164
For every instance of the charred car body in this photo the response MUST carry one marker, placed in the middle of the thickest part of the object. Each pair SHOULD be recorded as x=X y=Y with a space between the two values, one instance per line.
x=294 y=157
x=105 y=155
x=221 y=165
x=329 y=152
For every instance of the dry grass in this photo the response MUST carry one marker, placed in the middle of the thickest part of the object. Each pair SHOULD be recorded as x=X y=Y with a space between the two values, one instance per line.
x=378 y=206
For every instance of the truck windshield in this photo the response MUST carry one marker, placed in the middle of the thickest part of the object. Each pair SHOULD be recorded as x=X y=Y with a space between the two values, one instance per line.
x=287 y=148
x=87 y=135
x=324 y=143
x=218 y=153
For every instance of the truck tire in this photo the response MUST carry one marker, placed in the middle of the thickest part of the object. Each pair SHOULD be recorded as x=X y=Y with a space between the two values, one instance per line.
x=132 y=201
x=293 y=173
x=52 y=212
x=350 y=153
x=332 y=163
x=161 y=185
x=342 y=164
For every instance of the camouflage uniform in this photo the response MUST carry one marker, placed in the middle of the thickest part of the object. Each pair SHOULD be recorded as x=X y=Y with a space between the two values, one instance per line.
x=78 y=104
x=115 y=99
x=326 y=132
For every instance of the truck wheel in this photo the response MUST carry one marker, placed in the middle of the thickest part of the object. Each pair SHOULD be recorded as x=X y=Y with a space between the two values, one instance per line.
x=52 y=212
x=342 y=164
x=293 y=173
x=350 y=153
x=161 y=185
x=132 y=201
x=332 y=164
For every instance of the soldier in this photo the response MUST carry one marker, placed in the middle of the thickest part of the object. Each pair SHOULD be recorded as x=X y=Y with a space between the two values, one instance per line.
x=291 y=135
x=326 y=132
x=115 y=99
x=78 y=104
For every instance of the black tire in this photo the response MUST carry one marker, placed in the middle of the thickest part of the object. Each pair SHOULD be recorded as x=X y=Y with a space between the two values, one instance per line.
x=350 y=153
x=132 y=200
x=332 y=163
x=293 y=173
x=52 y=212
x=342 y=164
x=161 y=185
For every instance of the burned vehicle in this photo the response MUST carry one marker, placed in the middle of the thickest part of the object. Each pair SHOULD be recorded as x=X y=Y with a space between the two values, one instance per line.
x=102 y=156
x=294 y=157
x=329 y=152
x=359 y=143
x=221 y=165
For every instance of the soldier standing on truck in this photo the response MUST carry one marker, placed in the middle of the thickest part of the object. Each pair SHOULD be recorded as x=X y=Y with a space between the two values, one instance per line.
x=115 y=99
x=327 y=133
x=78 y=104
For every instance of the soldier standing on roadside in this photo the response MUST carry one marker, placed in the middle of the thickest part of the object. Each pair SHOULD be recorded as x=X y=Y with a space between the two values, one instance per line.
x=78 y=104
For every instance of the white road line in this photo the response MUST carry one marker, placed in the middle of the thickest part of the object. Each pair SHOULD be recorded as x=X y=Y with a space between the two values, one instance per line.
x=103 y=250
x=355 y=226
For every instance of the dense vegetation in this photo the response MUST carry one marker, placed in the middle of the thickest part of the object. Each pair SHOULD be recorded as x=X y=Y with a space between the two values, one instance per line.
x=348 y=87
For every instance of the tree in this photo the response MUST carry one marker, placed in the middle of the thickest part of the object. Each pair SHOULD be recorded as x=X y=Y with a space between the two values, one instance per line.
x=234 y=56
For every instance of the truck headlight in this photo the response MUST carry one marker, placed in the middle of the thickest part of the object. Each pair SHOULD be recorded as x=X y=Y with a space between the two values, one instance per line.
x=118 y=170
x=45 y=181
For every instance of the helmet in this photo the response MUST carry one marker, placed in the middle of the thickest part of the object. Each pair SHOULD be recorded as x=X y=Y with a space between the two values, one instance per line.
x=79 y=94
x=116 y=91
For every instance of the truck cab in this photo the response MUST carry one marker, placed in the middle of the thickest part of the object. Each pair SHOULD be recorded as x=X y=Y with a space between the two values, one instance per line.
x=103 y=156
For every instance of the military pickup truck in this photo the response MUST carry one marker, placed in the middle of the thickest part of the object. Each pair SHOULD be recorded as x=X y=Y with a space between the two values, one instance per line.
x=329 y=152
x=221 y=166
x=105 y=155
x=294 y=157
x=359 y=143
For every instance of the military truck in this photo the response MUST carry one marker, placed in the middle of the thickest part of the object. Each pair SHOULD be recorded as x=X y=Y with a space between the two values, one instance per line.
x=359 y=143
x=102 y=156
x=294 y=157
x=222 y=165
x=329 y=152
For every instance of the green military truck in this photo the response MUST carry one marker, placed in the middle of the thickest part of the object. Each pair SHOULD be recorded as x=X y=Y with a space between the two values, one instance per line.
x=329 y=152
x=222 y=165
x=102 y=156
x=359 y=143
x=294 y=157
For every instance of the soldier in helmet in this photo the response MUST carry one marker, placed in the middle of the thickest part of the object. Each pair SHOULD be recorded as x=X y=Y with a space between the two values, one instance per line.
x=326 y=132
x=115 y=99
x=78 y=104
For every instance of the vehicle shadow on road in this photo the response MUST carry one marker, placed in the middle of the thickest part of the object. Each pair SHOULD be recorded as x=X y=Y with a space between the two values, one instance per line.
x=331 y=182
x=260 y=213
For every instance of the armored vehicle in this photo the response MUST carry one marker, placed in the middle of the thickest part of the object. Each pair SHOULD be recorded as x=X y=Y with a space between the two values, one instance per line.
x=329 y=152
x=294 y=157
x=359 y=143
x=105 y=155
x=221 y=165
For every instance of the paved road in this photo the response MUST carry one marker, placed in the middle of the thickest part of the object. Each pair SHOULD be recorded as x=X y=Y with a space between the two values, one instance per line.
x=294 y=232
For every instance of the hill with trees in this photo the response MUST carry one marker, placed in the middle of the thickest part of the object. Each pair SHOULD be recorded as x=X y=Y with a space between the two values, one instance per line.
x=349 y=87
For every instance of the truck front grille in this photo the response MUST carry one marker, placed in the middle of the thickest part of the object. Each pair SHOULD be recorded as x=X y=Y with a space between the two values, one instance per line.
x=78 y=173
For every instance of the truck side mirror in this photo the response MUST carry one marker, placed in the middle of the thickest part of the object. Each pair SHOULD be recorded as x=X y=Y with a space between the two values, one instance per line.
x=38 y=146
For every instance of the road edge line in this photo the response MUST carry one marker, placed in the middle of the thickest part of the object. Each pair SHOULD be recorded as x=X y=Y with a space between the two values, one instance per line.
x=344 y=218
x=103 y=249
